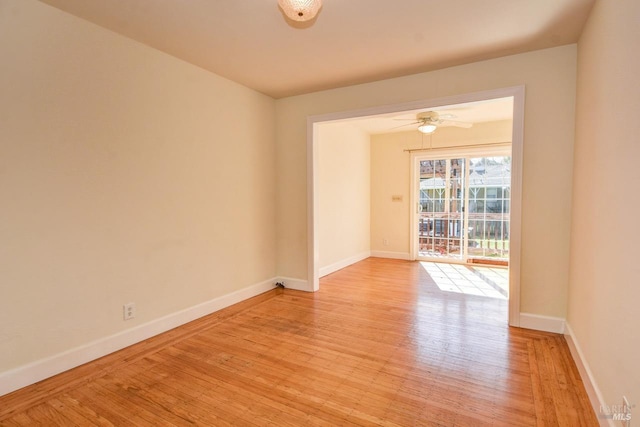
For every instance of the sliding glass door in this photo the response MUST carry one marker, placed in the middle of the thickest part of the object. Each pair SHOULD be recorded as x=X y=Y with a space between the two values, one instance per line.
x=463 y=207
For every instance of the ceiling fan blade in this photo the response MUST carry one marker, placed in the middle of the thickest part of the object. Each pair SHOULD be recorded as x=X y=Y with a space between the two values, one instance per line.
x=406 y=124
x=465 y=125
x=447 y=116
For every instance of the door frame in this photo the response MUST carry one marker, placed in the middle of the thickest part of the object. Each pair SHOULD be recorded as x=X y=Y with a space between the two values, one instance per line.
x=517 y=147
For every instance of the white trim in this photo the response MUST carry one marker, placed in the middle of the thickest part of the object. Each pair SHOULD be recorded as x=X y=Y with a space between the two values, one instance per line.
x=31 y=373
x=413 y=206
x=517 y=147
x=331 y=268
x=391 y=255
x=313 y=244
x=515 y=229
x=296 y=284
x=542 y=323
x=594 y=393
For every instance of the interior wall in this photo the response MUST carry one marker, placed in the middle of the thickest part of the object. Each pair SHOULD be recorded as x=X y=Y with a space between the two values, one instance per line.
x=604 y=294
x=126 y=176
x=391 y=175
x=343 y=195
x=549 y=76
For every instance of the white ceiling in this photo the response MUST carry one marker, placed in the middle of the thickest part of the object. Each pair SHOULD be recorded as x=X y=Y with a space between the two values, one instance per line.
x=350 y=41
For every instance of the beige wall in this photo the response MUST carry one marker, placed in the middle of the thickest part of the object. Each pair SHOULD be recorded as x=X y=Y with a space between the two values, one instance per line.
x=125 y=175
x=549 y=76
x=391 y=174
x=604 y=294
x=343 y=193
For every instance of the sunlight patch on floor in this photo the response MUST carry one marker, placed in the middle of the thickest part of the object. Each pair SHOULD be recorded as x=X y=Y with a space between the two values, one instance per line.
x=470 y=280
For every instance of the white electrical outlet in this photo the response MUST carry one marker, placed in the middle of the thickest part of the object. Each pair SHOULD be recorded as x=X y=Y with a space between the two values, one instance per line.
x=129 y=310
x=385 y=242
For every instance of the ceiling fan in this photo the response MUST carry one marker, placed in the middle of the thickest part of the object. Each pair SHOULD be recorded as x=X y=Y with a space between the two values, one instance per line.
x=429 y=121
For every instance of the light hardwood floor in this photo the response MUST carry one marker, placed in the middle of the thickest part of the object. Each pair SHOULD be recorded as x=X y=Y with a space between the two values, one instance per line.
x=379 y=344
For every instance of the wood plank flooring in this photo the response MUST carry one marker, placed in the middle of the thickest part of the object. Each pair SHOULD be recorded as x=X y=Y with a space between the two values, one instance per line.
x=378 y=345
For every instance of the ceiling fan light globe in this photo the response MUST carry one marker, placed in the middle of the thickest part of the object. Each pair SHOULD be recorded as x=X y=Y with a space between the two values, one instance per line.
x=427 y=128
x=300 y=10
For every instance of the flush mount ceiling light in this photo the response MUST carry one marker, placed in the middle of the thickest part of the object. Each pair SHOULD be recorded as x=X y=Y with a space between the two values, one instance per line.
x=300 y=10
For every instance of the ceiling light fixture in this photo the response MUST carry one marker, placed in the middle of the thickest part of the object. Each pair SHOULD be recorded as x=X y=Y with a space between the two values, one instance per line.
x=426 y=128
x=300 y=10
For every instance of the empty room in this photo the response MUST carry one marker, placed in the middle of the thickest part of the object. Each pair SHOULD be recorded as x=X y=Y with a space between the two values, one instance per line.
x=319 y=212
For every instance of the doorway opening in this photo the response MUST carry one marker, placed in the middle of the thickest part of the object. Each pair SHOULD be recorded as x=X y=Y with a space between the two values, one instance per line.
x=395 y=200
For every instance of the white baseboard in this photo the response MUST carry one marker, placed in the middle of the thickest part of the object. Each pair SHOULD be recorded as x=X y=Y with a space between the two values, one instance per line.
x=542 y=323
x=41 y=369
x=295 y=284
x=595 y=396
x=323 y=271
x=392 y=255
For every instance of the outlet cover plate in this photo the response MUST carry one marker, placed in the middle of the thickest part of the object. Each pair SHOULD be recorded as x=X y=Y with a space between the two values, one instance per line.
x=129 y=311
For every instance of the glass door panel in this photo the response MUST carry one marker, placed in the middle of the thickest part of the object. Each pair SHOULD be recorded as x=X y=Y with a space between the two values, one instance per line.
x=441 y=212
x=463 y=209
x=489 y=198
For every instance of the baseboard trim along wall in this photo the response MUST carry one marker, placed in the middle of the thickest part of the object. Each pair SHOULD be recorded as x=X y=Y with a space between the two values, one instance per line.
x=392 y=255
x=41 y=369
x=542 y=323
x=332 y=268
x=295 y=284
x=595 y=396
x=560 y=326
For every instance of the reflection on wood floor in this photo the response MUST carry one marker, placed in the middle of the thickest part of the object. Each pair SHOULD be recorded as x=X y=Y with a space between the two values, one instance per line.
x=379 y=344
x=492 y=282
